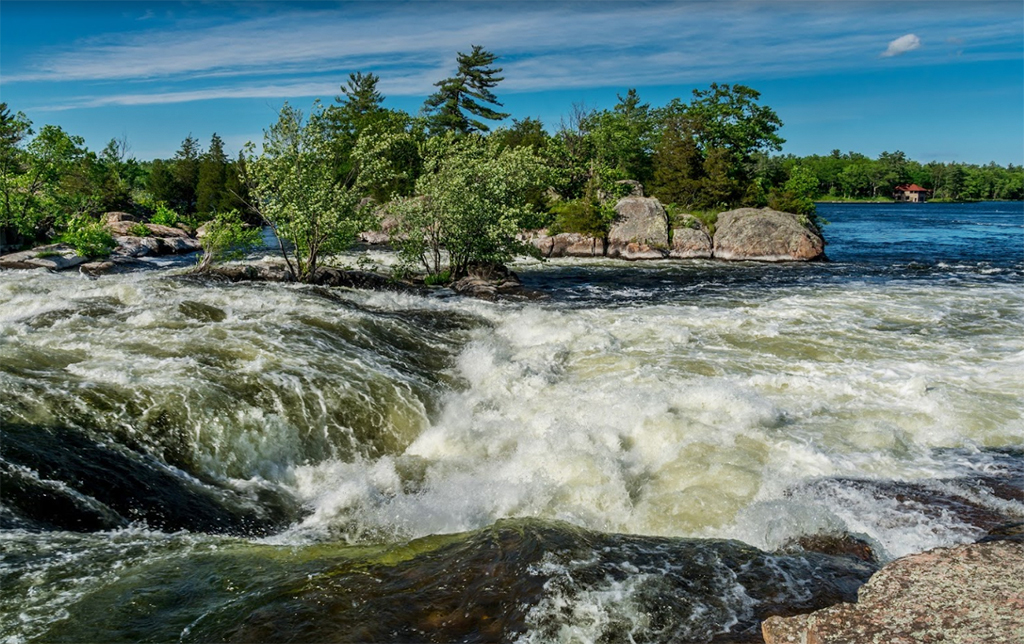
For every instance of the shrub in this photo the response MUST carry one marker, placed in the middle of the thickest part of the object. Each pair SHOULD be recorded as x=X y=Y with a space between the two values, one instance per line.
x=139 y=230
x=165 y=216
x=88 y=237
x=438 y=279
x=227 y=237
x=583 y=216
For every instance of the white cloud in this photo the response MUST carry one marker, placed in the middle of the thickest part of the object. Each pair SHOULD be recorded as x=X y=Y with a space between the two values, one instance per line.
x=902 y=45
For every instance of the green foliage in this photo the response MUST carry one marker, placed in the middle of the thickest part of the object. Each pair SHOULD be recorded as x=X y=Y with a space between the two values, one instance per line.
x=708 y=153
x=227 y=237
x=296 y=191
x=465 y=95
x=164 y=216
x=622 y=138
x=211 y=177
x=438 y=279
x=139 y=230
x=797 y=195
x=583 y=216
x=470 y=204
x=88 y=237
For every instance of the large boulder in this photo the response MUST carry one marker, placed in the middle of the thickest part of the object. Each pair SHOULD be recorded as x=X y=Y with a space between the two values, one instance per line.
x=766 y=235
x=969 y=593
x=136 y=246
x=691 y=241
x=640 y=229
x=158 y=240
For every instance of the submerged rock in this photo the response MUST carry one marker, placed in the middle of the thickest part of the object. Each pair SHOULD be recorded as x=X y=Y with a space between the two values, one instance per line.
x=969 y=593
x=56 y=478
x=640 y=230
x=766 y=235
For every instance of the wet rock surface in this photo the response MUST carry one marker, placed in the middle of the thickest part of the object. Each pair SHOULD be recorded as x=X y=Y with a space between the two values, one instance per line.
x=56 y=478
x=766 y=235
x=489 y=282
x=969 y=593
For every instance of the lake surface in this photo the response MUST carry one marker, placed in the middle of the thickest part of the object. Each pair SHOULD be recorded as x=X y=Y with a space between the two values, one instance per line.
x=634 y=456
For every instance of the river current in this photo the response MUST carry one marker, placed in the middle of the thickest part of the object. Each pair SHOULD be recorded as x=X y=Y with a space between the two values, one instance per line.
x=632 y=457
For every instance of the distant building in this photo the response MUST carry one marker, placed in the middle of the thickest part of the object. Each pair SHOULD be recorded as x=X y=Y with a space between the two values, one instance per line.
x=912 y=193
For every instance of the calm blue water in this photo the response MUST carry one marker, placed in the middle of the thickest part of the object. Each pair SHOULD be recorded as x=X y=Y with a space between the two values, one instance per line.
x=978 y=235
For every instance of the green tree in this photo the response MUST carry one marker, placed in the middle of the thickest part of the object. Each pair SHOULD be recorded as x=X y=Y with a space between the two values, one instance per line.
x=678 y=166
x=729 y=117
x=469 y=204
x=466 y=95
x=212 y=176
x=185 y=171
x=622 y=138
x=797 y=195
x=52 y=189
x=295 y=189
x=14 y=163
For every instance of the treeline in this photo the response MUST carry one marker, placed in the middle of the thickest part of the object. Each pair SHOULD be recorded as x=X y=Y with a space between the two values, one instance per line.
x=855 y=176
x=454 y=190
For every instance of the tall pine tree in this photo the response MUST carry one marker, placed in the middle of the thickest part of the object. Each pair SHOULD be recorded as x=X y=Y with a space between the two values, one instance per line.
x=210 y=185
x=466 y=95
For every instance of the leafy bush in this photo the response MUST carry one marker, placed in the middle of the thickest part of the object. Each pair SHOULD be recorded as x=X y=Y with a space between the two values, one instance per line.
x=88 y=237
x=139 y=230
x=583 y=216
x=227 y=237
x=164 y=216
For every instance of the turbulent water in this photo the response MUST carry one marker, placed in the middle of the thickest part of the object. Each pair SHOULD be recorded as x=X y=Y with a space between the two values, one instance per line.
x=634 y=457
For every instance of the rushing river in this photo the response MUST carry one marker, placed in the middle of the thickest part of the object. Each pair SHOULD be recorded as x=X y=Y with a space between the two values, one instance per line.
x=631 y=458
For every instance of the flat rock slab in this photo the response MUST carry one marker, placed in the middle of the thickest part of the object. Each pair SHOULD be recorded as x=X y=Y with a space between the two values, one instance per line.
x=55 y=257
x=972 y=594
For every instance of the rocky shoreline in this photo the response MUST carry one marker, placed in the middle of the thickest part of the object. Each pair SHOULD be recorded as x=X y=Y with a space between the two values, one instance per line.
x=642 y=231
x=969 y=593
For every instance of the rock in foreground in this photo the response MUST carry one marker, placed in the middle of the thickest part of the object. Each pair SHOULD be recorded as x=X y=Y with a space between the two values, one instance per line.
x=970 y=594
x=766 y=235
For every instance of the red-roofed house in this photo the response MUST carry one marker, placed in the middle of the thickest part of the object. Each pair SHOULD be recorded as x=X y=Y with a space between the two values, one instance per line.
x=913 y=193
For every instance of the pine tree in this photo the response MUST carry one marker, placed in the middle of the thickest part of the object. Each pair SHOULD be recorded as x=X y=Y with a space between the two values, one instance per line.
x=185 y=170
x=469 y=91
x=678 y=166
x=210 y=182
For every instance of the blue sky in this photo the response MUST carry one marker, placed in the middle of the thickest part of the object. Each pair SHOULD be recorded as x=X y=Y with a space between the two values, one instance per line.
x=941 y=80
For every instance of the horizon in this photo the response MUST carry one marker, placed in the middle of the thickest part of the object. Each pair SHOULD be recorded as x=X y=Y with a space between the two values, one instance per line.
x=939 y=81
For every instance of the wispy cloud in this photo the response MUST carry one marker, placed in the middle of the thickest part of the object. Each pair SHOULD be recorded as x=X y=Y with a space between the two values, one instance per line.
x=292 y=51
x=902 y=45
